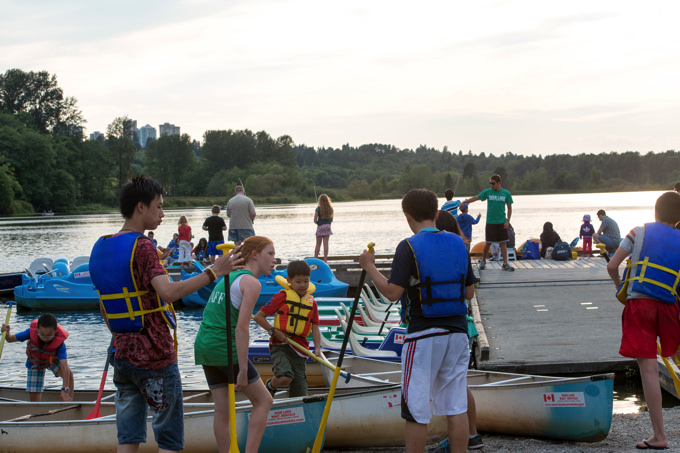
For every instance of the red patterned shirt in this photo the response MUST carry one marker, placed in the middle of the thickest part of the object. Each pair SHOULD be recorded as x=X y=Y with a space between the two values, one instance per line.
x=153 y=347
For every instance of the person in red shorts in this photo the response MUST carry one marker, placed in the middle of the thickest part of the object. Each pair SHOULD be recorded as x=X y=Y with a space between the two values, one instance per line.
x=649 y=291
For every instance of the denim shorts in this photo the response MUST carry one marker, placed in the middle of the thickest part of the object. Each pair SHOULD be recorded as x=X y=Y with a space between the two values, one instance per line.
x=35 y=378
x=240 y=235
x=139 y=390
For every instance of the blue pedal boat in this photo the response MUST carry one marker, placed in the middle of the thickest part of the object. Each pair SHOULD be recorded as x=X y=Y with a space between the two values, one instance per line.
x=58 y=289
x=327 y=285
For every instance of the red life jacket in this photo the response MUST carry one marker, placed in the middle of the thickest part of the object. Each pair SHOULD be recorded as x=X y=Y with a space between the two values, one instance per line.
x=41 y=354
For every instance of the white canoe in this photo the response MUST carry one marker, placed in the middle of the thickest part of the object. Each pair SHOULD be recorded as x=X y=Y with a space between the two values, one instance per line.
x=364 y=418
x=565 y=408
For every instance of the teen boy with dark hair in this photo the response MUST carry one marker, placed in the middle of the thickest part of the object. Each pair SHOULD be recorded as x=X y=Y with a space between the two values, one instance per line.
x=296 y=316
x=432 y=270
x=135 y=299
x=650 y=293
x=46 y=350
x=215 y=226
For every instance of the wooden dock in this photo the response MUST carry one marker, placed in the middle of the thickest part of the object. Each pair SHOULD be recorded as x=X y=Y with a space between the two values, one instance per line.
x=548 y=317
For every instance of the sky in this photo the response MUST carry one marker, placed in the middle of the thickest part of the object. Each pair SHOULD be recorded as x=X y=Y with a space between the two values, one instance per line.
x=527 y=77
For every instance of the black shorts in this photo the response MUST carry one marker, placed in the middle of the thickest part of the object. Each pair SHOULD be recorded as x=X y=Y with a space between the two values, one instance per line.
x=217 y=375
x=496 y=233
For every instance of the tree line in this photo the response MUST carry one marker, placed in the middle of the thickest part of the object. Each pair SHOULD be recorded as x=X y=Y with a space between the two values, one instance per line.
x=46 y=164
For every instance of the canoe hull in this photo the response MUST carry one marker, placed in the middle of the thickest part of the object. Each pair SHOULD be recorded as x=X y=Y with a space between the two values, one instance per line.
x=291 y=428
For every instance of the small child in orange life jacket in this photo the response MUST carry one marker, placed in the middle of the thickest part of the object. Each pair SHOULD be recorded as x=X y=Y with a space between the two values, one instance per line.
x=295 y=317
x=46 y=351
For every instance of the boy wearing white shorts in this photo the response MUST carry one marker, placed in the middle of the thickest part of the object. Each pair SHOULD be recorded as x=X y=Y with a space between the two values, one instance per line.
x=432 y=271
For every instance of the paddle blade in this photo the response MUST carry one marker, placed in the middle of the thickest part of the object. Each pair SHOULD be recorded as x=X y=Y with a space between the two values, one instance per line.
x=96 y=412
x=233 y=444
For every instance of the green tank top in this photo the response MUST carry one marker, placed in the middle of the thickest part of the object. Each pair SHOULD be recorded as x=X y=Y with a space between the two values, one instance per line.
x=210 y=347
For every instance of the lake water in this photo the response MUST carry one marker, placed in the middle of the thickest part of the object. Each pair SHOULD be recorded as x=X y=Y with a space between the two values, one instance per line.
x=292 y=229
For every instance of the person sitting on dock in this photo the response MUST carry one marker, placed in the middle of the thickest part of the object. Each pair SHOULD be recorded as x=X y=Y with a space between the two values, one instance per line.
x=608 y=233
x=436 y=350
x=46 y=350
x=650 y=291
x=497 y=223
x=549 y=238
x=296 y=317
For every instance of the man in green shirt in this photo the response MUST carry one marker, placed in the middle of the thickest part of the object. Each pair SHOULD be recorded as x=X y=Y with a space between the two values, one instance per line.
x=496 y=221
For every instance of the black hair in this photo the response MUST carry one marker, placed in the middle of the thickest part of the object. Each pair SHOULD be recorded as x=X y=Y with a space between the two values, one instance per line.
x=47 y=320
x=298 y=267
x=448 y=193
x=667 y=208
x=548 y=227
x=676 y=187
x=421 y=204
x=139 y=188
x=601 y=212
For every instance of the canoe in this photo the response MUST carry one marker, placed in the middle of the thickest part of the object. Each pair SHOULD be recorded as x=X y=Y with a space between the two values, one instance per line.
x=58 y=289
x=360 y=418
x=291 y=427
x=8 y=281
x=665 y=378
x=322 y=277
x=562 y=408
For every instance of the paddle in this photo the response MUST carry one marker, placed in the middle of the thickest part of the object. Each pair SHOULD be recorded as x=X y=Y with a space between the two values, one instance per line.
x=318 y=442
x=95 y=412
x=4 y=334
x=321 y=360
x=676 y=380
x=233 y=445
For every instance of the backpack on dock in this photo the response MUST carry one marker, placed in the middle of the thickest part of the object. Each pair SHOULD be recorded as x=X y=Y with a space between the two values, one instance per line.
x=561 y=252
x=532 y=251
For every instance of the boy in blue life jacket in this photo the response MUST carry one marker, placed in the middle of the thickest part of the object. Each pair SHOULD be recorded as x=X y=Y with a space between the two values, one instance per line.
x=651 y=302
x=46 y=350
x=296 y=315
x=136 y=296
x=432 y=270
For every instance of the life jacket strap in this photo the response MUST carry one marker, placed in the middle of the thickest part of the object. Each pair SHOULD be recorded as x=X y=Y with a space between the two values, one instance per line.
x=644 y=264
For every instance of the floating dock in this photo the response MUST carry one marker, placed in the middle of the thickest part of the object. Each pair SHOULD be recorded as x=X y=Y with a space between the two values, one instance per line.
x=548 y=317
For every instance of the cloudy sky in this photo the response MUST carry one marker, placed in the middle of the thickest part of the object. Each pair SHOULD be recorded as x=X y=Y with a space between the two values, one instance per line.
x=530 y=77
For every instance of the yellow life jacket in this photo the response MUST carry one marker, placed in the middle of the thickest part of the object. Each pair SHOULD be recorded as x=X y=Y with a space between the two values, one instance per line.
x=294 y=316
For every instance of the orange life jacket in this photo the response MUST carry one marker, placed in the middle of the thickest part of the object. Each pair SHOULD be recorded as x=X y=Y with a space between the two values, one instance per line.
x=41 y=354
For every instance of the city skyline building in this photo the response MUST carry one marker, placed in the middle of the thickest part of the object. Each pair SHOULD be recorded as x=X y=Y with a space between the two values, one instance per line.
x=168 y=129
x=146 y=133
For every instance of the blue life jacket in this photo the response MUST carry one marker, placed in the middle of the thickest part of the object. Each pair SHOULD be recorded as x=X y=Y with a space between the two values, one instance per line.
x=656 y=274
x=441 y=288
x=111 y=271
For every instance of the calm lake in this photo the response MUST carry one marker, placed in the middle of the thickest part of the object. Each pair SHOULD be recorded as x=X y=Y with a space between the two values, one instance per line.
x=292 y=229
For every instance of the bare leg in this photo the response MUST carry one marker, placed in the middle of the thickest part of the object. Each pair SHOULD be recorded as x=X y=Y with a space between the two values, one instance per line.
x=212 y=259
x=128 y=448
x=35 y=397
x=262 y=403
x=649 y=373
x=487 y=246
x=318 y=247
x=325 y=247
x=221 y=418
x=504 y=252
x=415 y=435
x=458 y=432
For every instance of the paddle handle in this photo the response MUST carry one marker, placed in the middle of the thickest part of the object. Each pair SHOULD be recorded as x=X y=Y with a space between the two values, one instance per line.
x=233 y=444
x=225 y=247
x=4 y=334
x=323 y=362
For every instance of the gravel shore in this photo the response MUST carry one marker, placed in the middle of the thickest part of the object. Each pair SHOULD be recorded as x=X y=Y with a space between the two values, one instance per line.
x=626 y=431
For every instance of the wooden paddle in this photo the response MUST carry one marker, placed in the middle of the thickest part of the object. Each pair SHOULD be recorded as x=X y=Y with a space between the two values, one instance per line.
x=233 y=445
x=95 y=412
x=4 y=334
x=318 y=442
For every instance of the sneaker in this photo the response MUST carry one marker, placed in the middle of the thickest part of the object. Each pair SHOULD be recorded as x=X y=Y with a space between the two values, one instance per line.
x=475 y=442
x=270 y=389
x=482 y=265
x=507 y=267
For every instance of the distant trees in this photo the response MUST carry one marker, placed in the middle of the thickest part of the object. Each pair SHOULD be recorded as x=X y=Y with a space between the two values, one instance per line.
x=36 y=97
x=119 y=136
